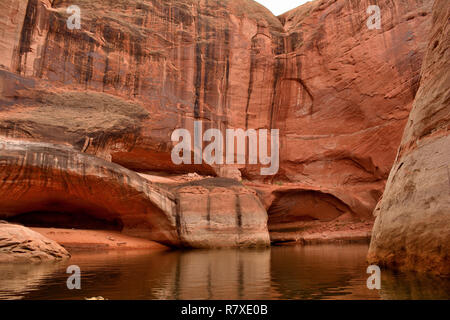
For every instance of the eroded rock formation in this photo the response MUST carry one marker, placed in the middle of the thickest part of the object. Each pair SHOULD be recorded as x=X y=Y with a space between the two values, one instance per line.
x=50 y=185
x=116 y=89
x=343 y=98
x=412 y=228
x=220 y=212
x=19 y=244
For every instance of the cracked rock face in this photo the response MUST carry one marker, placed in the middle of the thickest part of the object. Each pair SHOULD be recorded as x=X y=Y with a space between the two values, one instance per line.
x=412 y=227
x=20 y=244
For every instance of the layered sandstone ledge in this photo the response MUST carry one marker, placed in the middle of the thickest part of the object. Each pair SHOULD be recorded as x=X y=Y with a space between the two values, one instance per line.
x=52 y=184
x=412 y=227
x=75 y=240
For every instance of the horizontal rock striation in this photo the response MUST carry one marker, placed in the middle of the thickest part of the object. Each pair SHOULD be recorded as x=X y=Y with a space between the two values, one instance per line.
x=412 y=227
x=41 y=177
x=58 y=185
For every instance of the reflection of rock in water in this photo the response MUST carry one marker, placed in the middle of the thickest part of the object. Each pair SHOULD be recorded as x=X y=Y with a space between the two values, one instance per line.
x=18 y=279
x=225 y=274
x=416 y=286
x=311 y=272
x=321 y=272
x=110 y=274
x=203 y=274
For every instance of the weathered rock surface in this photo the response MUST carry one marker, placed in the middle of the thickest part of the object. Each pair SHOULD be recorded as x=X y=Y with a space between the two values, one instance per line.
x=183 y=60
x=116 y=89
x=50 y=185
x=343 y=97
x=44 y=178
x=18 y=243
x=339 y=92
x=98 y=240
x=412 y=227
x=207 y=206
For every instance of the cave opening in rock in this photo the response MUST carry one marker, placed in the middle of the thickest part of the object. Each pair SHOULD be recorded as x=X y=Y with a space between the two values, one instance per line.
x=64 y=215
x=297 y=208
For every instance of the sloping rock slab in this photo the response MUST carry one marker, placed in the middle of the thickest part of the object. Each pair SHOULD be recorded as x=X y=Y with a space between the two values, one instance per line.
x=20 y=244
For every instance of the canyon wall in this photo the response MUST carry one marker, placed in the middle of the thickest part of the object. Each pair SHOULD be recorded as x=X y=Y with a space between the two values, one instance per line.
x=412 y=227
x=339 y=92
x=180 y=60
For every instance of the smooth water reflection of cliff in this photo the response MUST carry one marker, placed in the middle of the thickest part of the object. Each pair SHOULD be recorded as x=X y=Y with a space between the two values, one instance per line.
x=311 y=272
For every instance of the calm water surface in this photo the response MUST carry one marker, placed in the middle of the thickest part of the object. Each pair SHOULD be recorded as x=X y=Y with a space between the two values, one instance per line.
x=311 y=272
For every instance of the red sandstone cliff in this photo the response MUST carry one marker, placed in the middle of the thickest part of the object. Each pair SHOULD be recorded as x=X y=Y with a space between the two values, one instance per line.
x=412 y=228
x=136 y=70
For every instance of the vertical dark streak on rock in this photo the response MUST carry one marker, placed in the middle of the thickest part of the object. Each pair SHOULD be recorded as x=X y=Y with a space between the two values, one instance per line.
x=198 y=67
x=90 y=61
x=178 y=217
x=40 y=71
x=250 y=81
x=209 y=63
x=276 y=79
x=238 y=212
x=223 y=122
x=25 y=172
x=227 y=74
x=208 y=211
x=7 y=162
x=26 y=34
x=105 y=73
x=137 y=52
